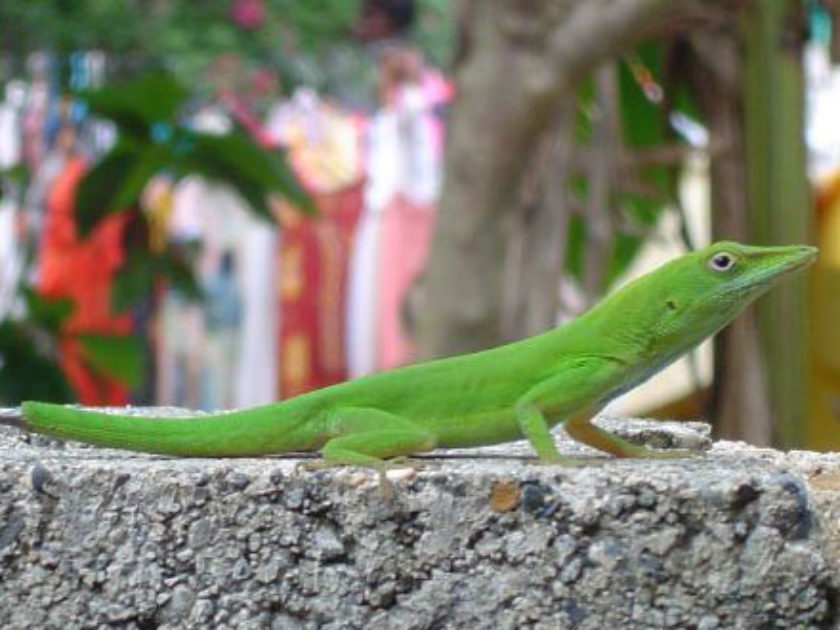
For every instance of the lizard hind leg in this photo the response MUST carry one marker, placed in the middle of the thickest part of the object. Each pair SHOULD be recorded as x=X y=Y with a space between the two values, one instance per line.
x=370 y=437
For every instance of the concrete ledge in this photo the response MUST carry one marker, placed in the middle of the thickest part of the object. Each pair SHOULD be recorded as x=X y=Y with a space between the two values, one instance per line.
x=736 y=538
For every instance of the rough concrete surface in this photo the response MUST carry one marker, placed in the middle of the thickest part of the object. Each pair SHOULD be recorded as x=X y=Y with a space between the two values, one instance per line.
x=737 y=537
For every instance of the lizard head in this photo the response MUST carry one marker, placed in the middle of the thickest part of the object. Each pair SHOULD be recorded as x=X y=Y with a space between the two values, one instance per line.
x=733 y=275
x=701 y=292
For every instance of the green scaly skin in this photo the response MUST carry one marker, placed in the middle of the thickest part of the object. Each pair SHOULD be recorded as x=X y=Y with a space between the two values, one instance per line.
x=513 y=391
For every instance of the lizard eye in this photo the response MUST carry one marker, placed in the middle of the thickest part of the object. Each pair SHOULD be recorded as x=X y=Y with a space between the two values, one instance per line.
x=721 y=262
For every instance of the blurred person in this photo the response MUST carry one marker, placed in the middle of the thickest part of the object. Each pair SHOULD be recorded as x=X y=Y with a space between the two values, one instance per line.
x=36 y=109
x=222 y=321
x=213 y=218
x=403 y=166
x=323 y=143
x=44 y=175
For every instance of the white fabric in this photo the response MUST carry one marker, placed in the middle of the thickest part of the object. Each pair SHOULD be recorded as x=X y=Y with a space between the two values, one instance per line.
x=822 y=131
x=11 y=259
x=401 y=160
x=362 y=296
x=257 y=372
x=401 y=154
x=10 y=137
x=217 y=216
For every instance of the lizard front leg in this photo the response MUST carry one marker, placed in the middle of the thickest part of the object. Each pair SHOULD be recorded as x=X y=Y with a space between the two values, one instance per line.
x=576 y=386
x=534 y=427
x=575 y=393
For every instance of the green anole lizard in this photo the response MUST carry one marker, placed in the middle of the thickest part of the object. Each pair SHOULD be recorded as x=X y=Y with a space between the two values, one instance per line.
x=517 y=390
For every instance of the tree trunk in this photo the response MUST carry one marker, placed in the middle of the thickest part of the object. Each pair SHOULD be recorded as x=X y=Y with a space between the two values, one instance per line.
x=519 y=60
x=538 y=240
x=780 y=209
x=740 y=405
x=748 y=82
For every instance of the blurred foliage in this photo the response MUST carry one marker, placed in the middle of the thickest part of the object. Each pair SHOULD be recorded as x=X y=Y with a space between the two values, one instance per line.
x=160 y=46
x=29 y=368
x=644 y=125
x=151 y=140
x=117 y=356
x=29 y=353
x=311 y=43
x=13 y=178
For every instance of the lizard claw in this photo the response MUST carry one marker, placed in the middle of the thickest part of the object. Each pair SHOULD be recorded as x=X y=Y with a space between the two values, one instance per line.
x=385 y=485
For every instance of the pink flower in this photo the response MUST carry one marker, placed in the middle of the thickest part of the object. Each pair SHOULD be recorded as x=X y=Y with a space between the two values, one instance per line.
x=248 y=13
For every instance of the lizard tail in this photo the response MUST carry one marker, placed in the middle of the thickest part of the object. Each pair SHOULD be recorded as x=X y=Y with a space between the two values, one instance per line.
x=249 y=432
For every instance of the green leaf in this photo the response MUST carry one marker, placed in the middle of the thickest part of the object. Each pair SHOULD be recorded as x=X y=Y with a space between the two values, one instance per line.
x=118 y=356
x=148 y=162
x=134 y=280
x=116 y=182
x=137 y=104
x=584 y=111
x=51 y=313
x=644 y=123
x=642 y=211
x=100 y=186
x=176 y=265
x=254 y=171
x=255 y=195
x=17 y=174
x=29 y=369
x=624 y=251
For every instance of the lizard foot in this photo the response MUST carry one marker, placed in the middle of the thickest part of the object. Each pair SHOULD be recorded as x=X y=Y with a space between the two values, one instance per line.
x=385 y=485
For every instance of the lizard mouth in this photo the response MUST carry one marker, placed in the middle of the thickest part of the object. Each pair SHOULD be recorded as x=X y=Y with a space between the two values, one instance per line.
x=805 y=256
x=791 y=259
x=795 y=258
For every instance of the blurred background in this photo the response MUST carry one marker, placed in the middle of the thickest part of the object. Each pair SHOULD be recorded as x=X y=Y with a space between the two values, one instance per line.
x=225 y=203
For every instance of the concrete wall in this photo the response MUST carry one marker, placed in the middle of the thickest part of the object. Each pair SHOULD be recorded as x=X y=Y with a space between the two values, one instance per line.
x=736 y=538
